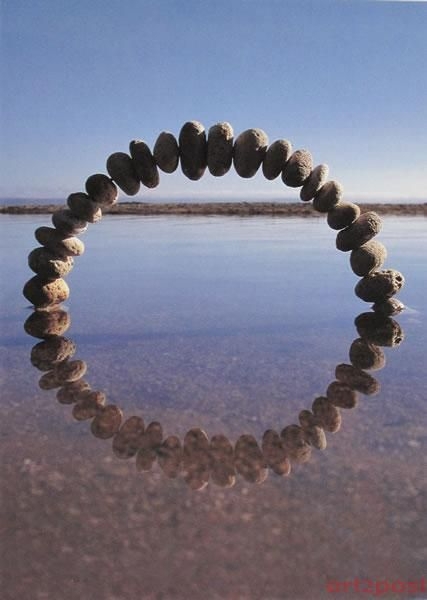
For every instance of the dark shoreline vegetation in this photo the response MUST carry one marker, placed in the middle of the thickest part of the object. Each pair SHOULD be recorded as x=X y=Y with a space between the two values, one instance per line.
x=284 y=209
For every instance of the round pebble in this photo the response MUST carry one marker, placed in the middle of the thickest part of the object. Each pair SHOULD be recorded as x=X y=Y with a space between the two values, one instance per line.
x=297 y=169
x=275 y=453
x=83 y=207
x=367 y=226
x=314 y=433
x=49 y=265
x=145 y=459
x=45 y=324
x=365 y=355
x=106 y=422
x=295 y=443
x=170 y=456
x=55 y=241
x=44 y=294
x=121 y=170
x=389 y=307
x=341 y=395
x=193 y=150
x=152 y=437
x=368 y=258
x=328 y=196
x=314 y=182
x=379 y=285
x=220 y=149
x=276 y=158
x=166 y=152
x=127 y=440
x=89 y=404
x=249 y=461
x=343 y=215
x=102 y=190
x=196 y=459
x=70 y=370
x=69 y=393
x=222 y=461
x=357 y=379
x=45 y=355
x=67 y=224
x=249 y=151
x=379 y=330
x=49 y=381
x=144 y=164
x=327 y=414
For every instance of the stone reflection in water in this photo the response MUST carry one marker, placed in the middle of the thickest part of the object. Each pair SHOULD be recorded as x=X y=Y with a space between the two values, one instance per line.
x=197 y=459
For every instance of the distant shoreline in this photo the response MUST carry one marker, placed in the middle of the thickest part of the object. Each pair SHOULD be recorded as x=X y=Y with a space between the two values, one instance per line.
x=285 y=209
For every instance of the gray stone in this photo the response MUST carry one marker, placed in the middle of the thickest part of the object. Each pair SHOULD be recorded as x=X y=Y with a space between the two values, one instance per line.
x=297 y=169
x=220 y=149
x=367 y=226
x=357 y=379
x=343 y=215
x=45 y=294
x=327 y=414
x=106 y=422
x=314 y=182
x=340 y=394
x=45 y=324
x=49 y=265
x=193 y=150
x=365 y=355
x=144 y=164
x=368 y=257
x=276 y=158
x=379 y=285
x=249 y=151
x=328 y=196
x=379 y=330
x=55 y=241
x=48 y=381
x=102 y=190
x=166 y=152
x=274 y=453
x=121 y=170
x=295 y=443
x=89 y=404
x=314 y=432
x=68 y=224
x=389 y=307
x=70 y=392
x=70 y=370
x=83 y=207
x=127 y=440
x=47 y=354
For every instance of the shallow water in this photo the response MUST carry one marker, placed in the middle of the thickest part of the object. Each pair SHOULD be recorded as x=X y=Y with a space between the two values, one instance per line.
x=231 y=325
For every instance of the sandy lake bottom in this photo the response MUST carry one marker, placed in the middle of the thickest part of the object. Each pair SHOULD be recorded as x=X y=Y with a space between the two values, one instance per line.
x=232 y=326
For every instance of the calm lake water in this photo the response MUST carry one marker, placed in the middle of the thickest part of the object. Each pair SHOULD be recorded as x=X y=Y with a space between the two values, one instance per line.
x=232 y=326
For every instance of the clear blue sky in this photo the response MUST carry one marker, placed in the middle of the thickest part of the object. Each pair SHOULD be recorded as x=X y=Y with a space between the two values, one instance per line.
x=345 y=79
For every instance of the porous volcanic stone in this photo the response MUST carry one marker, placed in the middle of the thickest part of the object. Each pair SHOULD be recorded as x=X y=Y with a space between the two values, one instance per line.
x=170 y=456
x=276 y=158
x=379 y=285
x=249 y=460
x=341 y=395
x=297 y=169
x=45 y=355
x=274 y=453
x=363 y=229
x=127 y=440
x=166 y=152
x=328 y=196
x=144 y=164
x=44 y=294
x=314 y=182
x=220 y=149
x=44 y=324
x=70 y=370
x=121 y=170
x=379 y=330
x=107 y=422
x=69 y=393
x=68 y=224
x=389 y=307
x=193 y=150
x=327 y=414
x=83 y=207
x=249 y=151
x=368 y=258
x=49 y=265
x=295 y=443
x=102 y=190
x=55 y=241
x=343 y=215
x=357 y=379
x=365 y=355
x=222 y=461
